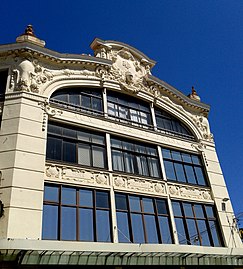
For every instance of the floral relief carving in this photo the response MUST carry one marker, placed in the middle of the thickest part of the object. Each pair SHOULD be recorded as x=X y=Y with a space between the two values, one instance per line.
x=53 y=171
x=203 y=125
x=28 y=75
x=120 y=181
x=190 y=192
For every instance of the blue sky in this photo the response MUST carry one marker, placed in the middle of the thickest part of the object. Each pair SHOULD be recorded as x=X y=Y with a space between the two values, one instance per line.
x=195 y=42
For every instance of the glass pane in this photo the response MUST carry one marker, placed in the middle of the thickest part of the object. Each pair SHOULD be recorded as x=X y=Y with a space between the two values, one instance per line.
x=98 y=157
x=196 y=159
x=151 y=230
x=148 y=206
x=117 y=160
x=52 y=128
x=181 y=231
x=176 y=155
x=54 y=148
x=209 y=211
x=83 y=136
x=97 y=104
x=166 y=153
x=74 y=99
x=102 y=199
x=50 y=222
x=193 y=235
x=84 y=154
x=154 y=168
x=123 y=228
x=142 y=165
x=68 y=223
x=165 y=230
x=180 y=172
x=60 y=96
x=85 y=198
x=186 y=158
x=188 y=210
x=199 y=211
x=85 y=101
x=69 y=152
x=115 y=143
x=137 y=228
x=103 y=226
x=121 y=202
x=203 y=232
x=161 y=206
x=214 y=233
x=127 y=146
x=129 y=162
x=112 y=109
x=134 y=202
x=98 y=139
x=69 y=132
x=68 y=196
x=51 y=193
x=86 y=226
x=190 y=174
x=176 y=208
x=169 y=170
x=200 y=176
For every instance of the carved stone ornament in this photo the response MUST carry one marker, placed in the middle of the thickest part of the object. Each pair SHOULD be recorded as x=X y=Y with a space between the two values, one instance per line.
x=189 y=192
x=199 y=146
x=203 y=125
x=28 y=75
x=52 y=171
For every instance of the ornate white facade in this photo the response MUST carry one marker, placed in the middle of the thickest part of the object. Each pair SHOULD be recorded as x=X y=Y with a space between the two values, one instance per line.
x=34 y=74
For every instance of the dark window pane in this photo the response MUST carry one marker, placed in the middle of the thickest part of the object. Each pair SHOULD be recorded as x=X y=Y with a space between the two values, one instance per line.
x=188 y=210
x=74 y=99
x=148 y=206
x=85 y=198
x=60 y=96
x=181 y=231
x=198 y=211
x=102 y=199
x=200 y=176
x=180 y=172
x=86 y=101
x=69 y=152
x=123 y=228
x=166 y=153
x=51 y=193
x=68 y=196
x=86 y=226
x=54 y=129
x=203 y=232
x=151 y=230
x=103 y=226
x=54 y=149
x=68 y=223
x=176 y=155
x=214 y=233
x=3 y=82
x=165 y=230
x=121 y=202
x=190 y=174
x=195 y=159
x=50 y=222
x=84 y=136
x=97 y=104
x=98 y=139
x=161 y=206
x=209 y=211
x=193 y=235
x=169 y=170
x=137 y=228
x=134 y=202
x=69 y=132
x=176 y=208
x=84 y=157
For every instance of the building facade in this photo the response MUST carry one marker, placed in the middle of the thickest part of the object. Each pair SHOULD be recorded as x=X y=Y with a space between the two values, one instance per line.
x=101 y=163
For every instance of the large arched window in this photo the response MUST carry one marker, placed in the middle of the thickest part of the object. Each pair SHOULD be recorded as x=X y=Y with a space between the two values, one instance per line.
x=171 y=125
x=83 y=99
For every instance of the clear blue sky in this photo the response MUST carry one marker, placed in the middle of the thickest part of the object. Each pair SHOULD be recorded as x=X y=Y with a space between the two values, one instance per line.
x=195 y=42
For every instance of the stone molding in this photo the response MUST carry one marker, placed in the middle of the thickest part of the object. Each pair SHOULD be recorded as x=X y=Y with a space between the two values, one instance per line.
x=102 y=179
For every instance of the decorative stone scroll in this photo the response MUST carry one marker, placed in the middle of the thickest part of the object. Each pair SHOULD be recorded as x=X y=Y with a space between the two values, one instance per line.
x=78 y=175
x=189 y=192
x=138 y=184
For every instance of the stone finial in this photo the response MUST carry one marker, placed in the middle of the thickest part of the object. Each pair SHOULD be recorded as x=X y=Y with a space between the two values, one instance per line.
x=29 y=36
x=194 y=95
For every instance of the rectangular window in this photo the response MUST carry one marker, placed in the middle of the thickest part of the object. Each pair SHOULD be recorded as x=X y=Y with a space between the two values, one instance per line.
x=128 y=109
x=130 y=157
x=3 y=83
x=142 y=220
x=75 y=146
x=196 y=224
x=183 y=167
x=76 y=214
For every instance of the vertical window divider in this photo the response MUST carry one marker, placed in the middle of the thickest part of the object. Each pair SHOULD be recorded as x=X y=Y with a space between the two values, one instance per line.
x=105 y=106
x=108 y=151
x=153 y=116
x=113 y=213
x=161 y=163
x=172 y=220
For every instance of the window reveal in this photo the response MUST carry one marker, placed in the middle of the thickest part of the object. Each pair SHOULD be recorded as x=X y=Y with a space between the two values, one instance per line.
x=183 y=167
x=76 y=146
x=196 y=224
x=76 y=214
x=135 y=158
x=142 y=220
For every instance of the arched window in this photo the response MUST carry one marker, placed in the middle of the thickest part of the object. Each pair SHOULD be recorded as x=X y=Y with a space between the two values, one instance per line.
x=83 y=99
x=171 y=125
